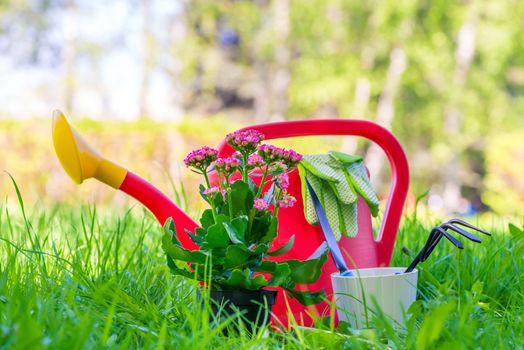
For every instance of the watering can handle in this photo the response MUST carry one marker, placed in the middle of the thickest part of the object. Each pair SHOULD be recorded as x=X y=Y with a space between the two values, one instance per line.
x=374 y=132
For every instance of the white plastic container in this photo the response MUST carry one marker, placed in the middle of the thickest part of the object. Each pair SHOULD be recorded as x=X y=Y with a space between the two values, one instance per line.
x=388 y=287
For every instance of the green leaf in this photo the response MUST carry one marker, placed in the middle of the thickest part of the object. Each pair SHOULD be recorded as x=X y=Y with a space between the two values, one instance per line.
x=306 y=297
x=175 y=270
x=176 y=252
x=280 y=272
x=201 y=189
x=258 y=282
x=240 y=223
x=259 y=227
x=241 y=197
x=307 y=271
x=237 y=229
x=217 y=236
x=232 y=233
x=271 y=232
x=197 y=239
x=284 y=248
x=207 y=218
x=267 y=267
x=200 y=232
x=170 y=230
x=238 y=278
x=254 y=260
x=280 y=275
x=261 y=249
x=236 y=255
x=219 y=254
x=242 y=279
x=221 y=218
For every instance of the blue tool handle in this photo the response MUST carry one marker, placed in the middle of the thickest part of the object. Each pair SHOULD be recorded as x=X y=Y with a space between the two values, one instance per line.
x=328 y=233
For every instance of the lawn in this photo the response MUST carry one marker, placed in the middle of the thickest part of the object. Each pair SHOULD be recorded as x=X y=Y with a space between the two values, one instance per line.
x=83 y=277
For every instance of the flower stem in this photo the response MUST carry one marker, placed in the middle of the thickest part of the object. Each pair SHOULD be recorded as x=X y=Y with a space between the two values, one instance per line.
x=244 y=170
x=230 y=204
x=262 y=183
x=207 y=178
x=213 y=208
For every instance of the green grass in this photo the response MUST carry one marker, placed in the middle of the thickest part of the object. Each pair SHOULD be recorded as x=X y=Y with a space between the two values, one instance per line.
x=76 y=278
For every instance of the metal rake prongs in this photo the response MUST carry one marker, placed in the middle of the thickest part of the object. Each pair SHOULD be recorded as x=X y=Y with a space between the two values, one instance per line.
x=441 y=231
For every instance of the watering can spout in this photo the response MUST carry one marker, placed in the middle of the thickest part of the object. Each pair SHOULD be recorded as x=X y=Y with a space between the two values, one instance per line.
x=81 y=162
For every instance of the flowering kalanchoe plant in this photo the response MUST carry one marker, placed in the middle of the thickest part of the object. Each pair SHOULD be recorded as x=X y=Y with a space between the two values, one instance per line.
x=238 y=229
x=201 y=159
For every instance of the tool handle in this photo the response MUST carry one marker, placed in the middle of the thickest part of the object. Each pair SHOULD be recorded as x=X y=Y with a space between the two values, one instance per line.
x=328 y=232
x=369 y=130
x=415 y=262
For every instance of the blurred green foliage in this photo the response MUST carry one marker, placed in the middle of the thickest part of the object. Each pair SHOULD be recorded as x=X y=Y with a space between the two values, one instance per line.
x=505 y=169
x=447 y=77
x=462 y=86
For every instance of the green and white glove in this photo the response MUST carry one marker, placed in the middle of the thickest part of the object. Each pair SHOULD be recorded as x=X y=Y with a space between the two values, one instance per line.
x=336 y=178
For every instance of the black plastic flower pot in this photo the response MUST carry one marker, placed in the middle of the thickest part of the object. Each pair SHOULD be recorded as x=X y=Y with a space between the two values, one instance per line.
x=253 y=306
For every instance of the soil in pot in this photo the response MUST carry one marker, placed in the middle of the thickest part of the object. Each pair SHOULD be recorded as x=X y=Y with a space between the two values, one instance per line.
x=254 y=306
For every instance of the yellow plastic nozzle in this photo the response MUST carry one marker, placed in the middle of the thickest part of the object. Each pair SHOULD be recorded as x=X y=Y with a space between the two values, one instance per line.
x=79 y=160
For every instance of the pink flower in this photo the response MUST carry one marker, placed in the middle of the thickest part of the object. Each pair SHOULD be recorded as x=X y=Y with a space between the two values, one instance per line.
x=245 y=141
x=287 y=201
x=271 y=153
x=227 y=166
x=291 y=158
x=255 y=161
x=283 y=181
x=210 y=190
x=201 y=158
x=260 y=205
x=213 y=190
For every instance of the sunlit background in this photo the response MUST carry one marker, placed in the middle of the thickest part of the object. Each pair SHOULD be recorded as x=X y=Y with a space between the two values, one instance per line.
x=147 y=80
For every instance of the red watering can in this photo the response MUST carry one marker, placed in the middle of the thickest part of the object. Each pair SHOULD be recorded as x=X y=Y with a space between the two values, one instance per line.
x=363 y=250
x=81 y=162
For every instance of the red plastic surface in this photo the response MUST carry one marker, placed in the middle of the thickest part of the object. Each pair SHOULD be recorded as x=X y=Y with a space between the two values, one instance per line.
x=363 y=250
x=160 y=205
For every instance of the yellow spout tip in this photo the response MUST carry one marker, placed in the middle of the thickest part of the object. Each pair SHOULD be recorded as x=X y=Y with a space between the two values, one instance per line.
x=79 y=160
x=66 y=147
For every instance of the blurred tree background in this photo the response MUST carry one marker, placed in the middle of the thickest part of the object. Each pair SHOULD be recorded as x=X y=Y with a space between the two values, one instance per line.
x=161 y=76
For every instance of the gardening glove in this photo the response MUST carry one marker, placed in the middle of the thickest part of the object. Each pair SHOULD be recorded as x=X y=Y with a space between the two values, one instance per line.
x=335 y=193
x=357 y=176
x=336 y=178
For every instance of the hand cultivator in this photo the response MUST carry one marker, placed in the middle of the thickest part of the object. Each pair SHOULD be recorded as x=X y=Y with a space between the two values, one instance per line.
x=441 y=231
